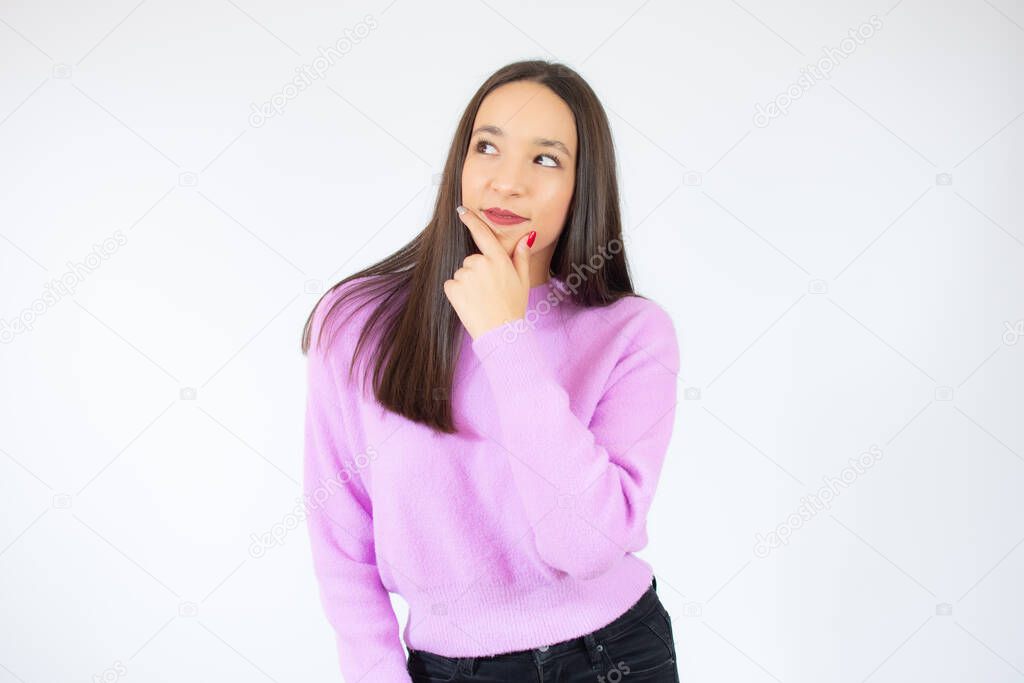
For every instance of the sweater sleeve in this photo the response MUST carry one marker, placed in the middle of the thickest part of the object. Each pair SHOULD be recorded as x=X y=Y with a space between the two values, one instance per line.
x=340 y=523
x=586 y=488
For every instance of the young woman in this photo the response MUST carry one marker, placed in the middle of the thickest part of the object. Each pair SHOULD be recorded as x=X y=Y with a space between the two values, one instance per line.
x=498 y=471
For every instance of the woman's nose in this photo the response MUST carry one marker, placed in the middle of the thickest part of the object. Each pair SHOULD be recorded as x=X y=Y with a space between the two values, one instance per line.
x=508 y=180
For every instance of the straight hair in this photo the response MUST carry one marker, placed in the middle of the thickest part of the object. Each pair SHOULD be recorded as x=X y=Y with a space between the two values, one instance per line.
x=418 y=333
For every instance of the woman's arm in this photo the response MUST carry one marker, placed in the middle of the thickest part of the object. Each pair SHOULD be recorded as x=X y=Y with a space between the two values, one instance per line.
x=586 y=488
x=340 y=524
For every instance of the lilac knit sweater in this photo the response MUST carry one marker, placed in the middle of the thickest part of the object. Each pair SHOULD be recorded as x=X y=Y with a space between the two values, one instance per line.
x=519 y=530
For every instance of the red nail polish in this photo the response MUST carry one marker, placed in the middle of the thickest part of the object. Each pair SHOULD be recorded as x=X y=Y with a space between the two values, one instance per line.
x=531 y=238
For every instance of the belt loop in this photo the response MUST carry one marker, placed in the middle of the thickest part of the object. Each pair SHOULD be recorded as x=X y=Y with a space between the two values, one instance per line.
x=654 y=583
x=591 y=643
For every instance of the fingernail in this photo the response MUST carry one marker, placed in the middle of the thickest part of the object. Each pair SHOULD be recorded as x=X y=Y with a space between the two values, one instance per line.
x=460 y=210
x=531 y=238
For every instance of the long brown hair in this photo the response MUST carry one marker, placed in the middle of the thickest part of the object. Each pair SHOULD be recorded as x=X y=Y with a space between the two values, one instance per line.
x=419 y=333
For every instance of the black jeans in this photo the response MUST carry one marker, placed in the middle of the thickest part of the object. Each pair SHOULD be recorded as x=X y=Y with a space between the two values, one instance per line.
x=637 y=646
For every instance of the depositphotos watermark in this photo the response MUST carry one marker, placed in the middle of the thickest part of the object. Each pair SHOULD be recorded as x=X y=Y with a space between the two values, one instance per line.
x=314 y=499
x=112 y=673
x=1013 y=332
x=812 y=73
x=308 y=73
x=512 y=329
x=816 y=502
x=58 y=288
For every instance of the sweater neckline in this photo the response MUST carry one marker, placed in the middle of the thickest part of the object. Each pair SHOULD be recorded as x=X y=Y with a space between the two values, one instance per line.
x=539 y=292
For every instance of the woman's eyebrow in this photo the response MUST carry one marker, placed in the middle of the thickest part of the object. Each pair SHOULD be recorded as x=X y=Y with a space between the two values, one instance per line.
x=543 y=142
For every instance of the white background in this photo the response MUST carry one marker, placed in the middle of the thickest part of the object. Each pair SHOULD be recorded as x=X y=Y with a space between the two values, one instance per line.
x=830 y=292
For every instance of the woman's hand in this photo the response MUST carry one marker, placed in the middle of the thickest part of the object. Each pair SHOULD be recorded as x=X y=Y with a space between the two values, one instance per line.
x=490 y=288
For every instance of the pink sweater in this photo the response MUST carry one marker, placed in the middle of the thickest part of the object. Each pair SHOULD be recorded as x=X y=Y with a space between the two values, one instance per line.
x=519 y=530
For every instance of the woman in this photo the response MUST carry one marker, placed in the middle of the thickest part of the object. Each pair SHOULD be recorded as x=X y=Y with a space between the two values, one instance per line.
x=498 y=473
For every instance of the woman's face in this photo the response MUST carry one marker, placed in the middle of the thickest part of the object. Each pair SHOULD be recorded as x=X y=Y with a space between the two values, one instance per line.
x=522 y=159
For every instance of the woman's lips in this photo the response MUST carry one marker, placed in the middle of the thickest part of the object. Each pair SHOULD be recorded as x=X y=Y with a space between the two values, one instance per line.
x=503 y=219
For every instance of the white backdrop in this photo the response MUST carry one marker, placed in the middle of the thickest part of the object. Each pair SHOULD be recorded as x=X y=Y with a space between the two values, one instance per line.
x=827 y=199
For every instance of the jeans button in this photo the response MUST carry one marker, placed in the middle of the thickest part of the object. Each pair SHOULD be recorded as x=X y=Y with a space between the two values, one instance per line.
x=543 y=648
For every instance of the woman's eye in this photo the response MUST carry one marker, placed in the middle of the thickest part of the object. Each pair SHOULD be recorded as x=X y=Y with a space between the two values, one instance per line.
x=483 y=144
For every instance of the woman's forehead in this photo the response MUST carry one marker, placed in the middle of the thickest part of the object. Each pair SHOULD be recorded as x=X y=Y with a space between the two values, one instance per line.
x=527 y=111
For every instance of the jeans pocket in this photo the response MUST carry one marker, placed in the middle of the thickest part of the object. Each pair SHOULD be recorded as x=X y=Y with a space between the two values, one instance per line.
x=643 y=647
x=427 y=667
x=668 y=622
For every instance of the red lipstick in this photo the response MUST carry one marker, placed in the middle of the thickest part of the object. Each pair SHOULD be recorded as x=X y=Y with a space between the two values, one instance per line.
x=503 y=216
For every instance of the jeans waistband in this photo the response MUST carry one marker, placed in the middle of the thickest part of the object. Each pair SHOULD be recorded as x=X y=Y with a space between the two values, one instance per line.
x=641 y=608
